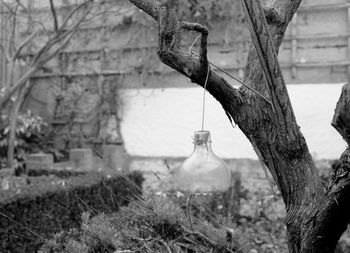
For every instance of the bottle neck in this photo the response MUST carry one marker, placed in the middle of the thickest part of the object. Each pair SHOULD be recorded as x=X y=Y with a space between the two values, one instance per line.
x=202 y=146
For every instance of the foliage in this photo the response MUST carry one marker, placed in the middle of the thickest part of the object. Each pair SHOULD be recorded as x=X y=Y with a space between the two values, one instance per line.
x=210 y=11
x=207 y=12
x=153 y=225
x=160 y=224
x=31 y=137
x=48 y=205
x=53 y=172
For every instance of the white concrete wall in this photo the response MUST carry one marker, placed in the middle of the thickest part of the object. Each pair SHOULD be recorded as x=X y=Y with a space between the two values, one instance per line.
x=161 y=122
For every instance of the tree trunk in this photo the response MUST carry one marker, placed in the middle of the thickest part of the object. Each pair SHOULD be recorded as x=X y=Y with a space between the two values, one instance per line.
x=13 y=124
x=316 y=217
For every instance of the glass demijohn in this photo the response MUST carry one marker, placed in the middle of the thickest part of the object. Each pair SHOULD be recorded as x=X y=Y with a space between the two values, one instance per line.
x=203 y=171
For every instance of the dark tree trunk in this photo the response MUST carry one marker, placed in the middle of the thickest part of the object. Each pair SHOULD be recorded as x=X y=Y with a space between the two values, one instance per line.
x=316 y=217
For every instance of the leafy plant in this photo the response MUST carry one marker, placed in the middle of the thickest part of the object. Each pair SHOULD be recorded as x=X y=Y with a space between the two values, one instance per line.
x=30 y=137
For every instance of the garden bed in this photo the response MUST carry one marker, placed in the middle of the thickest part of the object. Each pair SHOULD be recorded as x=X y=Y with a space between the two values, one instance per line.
x=36 y=208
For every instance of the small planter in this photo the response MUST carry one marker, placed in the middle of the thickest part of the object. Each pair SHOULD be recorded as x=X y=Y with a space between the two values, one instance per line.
x=39 y=161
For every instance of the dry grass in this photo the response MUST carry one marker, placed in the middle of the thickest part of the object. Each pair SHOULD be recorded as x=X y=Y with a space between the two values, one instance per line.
x=155 y=224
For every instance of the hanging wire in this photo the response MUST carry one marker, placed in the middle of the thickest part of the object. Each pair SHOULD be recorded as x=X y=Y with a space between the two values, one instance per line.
x=237 y=79
x=204 y=91
x=203 y=110
x=228 y=74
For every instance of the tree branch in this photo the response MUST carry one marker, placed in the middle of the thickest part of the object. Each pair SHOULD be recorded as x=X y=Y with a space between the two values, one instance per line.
x=170 y=53
x=341 y=119
x=265 y=49
x=70 y=15
x=46 y=53
x=279 y=14
x=22 y=45
x=333 y=213
x=54 y=15
x=11 y=44
x=5 y=52
x=149 y=6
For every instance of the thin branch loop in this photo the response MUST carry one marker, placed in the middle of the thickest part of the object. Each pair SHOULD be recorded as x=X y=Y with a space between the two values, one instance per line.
x=203 y=51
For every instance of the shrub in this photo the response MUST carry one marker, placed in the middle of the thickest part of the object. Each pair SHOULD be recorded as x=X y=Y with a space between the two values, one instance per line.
x=152 y=225
x=49 y=205
x=31 y=131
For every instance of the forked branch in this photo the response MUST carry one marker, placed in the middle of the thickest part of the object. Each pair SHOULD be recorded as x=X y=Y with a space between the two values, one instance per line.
x=190 y=65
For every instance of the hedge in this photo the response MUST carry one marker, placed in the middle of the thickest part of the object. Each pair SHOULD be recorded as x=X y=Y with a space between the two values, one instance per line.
x=48 y=206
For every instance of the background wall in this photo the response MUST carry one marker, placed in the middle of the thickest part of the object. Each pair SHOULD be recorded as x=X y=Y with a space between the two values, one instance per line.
x=161 y=122
x=110 y=73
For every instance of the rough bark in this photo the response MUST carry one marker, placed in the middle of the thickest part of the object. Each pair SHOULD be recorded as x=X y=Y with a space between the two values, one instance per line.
x=341 y=119
x=315 y=218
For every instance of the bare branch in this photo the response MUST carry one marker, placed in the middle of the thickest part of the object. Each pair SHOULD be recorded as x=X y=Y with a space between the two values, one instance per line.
x=11 y=90
x=5 y=52
x=13 y=122
x=46 y=53
x=170 y=53
x=148 y=6
x=21 y=5
x=54 y=15
x=11 y=45
x=341 y=119
x=62 y=32
x=22 y=45
x=8 y=7
x=69 y=16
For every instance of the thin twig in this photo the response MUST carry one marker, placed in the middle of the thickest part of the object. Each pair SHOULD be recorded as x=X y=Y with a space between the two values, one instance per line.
x=19 y=224
x=23 y=44
x=91 y=146
x=53 y=11
x=165 y=245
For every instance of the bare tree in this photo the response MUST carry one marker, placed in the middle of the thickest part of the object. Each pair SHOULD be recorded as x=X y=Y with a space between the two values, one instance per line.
x=15 y=89
x=316 y=217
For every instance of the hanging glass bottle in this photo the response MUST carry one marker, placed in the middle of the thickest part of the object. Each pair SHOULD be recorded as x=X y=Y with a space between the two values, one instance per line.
x=203 y=171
